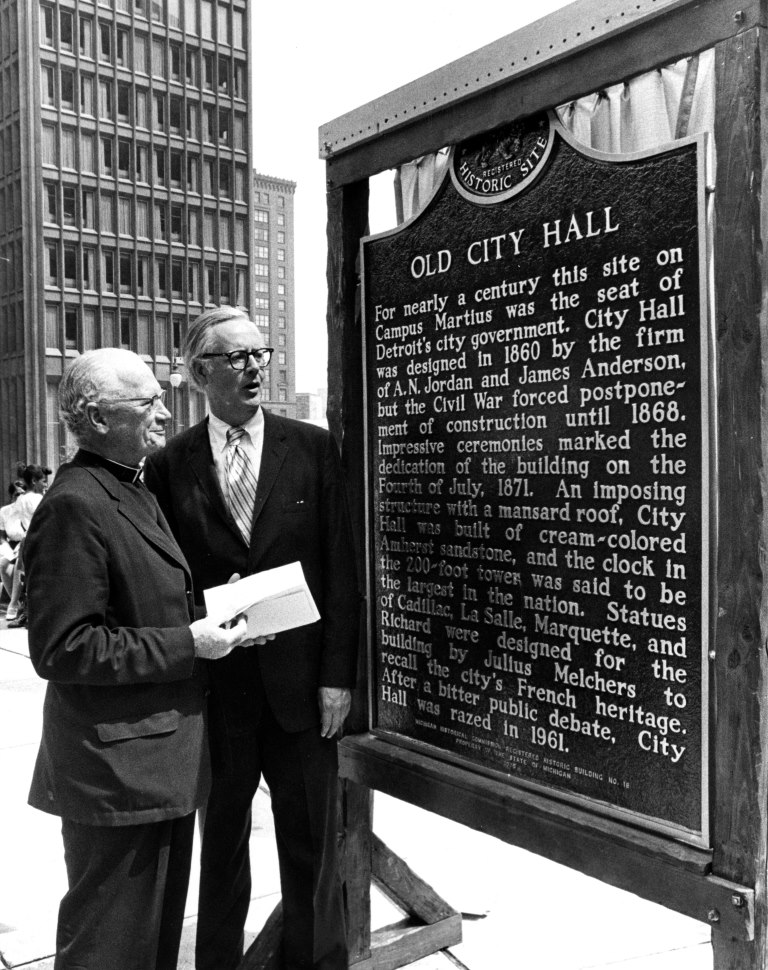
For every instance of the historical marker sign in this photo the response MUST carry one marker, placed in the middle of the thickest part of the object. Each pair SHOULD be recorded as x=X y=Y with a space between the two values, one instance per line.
x=537 y=409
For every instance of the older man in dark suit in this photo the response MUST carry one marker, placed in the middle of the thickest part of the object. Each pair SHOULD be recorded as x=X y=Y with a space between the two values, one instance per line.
x=246 y=490
x=123 y=758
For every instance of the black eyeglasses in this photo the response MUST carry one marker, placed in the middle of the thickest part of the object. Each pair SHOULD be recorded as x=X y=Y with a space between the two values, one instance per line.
x=238 y=359
x=146 y=402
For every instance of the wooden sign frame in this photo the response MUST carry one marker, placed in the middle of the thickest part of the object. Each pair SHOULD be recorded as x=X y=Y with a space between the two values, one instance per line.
x=588 y=46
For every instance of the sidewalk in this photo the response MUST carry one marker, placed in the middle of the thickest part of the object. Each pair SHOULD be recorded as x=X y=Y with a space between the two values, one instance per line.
x=519 y=910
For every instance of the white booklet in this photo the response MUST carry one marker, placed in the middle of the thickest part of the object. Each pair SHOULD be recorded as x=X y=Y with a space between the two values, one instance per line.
x=273 y=600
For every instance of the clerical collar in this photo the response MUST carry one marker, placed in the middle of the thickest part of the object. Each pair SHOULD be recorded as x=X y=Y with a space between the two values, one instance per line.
x=129 y=474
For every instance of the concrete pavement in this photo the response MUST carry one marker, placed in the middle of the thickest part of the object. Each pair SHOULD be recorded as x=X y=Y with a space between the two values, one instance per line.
x=520 y=911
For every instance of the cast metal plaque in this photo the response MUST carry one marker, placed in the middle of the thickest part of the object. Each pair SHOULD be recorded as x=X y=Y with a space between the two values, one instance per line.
x=537 y=406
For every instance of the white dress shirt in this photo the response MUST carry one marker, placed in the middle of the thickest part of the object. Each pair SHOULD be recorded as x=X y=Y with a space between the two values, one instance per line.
x=252 y=442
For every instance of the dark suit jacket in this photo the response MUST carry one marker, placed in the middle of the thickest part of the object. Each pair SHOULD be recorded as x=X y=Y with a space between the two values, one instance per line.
x=110 y=604
x=300 y=514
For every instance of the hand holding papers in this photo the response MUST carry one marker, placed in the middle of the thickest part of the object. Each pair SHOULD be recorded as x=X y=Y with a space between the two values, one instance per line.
x=274 y=600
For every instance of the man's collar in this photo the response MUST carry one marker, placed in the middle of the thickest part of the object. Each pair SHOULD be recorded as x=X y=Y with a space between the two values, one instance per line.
x=128 y=474
x=253 y=425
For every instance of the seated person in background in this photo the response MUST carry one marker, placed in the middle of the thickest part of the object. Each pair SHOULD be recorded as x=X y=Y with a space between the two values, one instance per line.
x=36 y=481
x=8 y=544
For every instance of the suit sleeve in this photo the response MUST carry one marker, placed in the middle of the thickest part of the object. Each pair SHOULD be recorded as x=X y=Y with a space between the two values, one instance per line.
x=341 y=594
x=73 y=634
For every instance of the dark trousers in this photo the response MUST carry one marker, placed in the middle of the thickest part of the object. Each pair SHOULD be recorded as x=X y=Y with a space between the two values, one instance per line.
x=301 y=771
x=127 y=891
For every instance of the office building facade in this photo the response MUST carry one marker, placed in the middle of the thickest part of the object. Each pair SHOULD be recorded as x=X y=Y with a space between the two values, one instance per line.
x=273 y=303
x=126 y=204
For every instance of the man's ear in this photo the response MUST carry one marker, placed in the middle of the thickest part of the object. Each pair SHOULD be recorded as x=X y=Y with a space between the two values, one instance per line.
x=200 y=371
x=97 y=418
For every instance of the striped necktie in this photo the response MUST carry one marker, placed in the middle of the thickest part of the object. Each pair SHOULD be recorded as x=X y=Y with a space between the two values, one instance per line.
x=241 y=482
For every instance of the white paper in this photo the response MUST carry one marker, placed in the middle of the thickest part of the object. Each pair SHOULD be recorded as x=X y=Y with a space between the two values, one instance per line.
x=273 y=600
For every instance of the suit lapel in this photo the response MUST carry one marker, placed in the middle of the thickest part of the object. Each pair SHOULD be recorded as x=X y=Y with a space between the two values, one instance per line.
x=137 y=516
x=273 y=453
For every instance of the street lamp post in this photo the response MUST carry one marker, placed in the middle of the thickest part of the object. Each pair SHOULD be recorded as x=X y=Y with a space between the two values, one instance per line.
x=175 y=379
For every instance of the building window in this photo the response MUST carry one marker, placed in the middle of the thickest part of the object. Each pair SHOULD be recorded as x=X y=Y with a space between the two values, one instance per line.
x=86 y=95
x=209 y=126
x=87 y=212
x=192 y=121
x=140 y=53
x=225 y=179
x=161 y=282
x=67 y=80
x=105 y=42
x=281 y=201
x=192 y=175
x=224 y=34
x=207 y=70
x=47 y=89
x=141 y=109
x=51 y=265
x=105 y=99
x=89 y=269
x=158 y=58
x=106 y=157
x=210 y=282
x=261 y=252
x=206 y=19
x=70 y=327
x=157 y=10
x=260 y=269
x=50 y=194
x=281 y=321
x=240 y=230
x=142 y=218
x=124 y=216
x=209 y=167
x=161 y=334
x=122 y=47
x=159 y=102
x=87 y=153
x=223 y=74
x=142 y=163
x=124 y=103
x=142 y=278
x=281 y=289
x=209 y=228
x=281 y=237
x=190 y=68
x=261 y=215
x=123 y=158
x=175 y=51
x=106 y=212
x=46 y=26
x=68 y=148
x=66 y=37
x=175 y=115
x=177 y=281
x=239 y=79
x=143 y=331
x=125 y=330
x=193 y=230
x=190 y=16
x=242 y=287
x=70 y=267
x=86 y=37
x=193 y=282
x=90 y=328
x=281 y=254
x=280 y=219
x=177 y=168
x=177 y=223
x=225 y=135
x=108 y=327
x=160 y=165
x=52 y=337
x=161 y=221
x=126 y=274
x=69 y=206
x=225 y=283
x=240 y=131
x=238 y=32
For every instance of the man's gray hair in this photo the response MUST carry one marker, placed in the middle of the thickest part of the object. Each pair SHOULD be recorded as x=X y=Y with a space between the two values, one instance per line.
x=84 y=381
x=199 y=331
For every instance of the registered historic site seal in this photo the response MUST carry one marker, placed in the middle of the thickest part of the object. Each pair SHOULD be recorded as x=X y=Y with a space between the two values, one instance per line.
x=498 y=164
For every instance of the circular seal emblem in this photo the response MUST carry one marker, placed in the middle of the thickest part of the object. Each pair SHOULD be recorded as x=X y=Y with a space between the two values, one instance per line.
x=500 y=163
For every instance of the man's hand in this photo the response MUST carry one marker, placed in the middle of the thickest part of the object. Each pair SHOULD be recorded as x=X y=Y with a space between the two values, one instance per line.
x=254 y=640
x=213 y=642
x=334 y=707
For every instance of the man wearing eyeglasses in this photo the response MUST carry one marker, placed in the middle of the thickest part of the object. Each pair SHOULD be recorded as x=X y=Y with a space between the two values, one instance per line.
x=123 y=758
x=245 y=491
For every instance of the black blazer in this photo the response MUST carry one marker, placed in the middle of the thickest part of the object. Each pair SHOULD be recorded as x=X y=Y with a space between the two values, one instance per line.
x=300 y=514
x=110 y=603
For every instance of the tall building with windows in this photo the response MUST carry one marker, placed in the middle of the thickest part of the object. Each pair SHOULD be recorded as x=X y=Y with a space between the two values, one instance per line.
x=273 y=304
x=126 y=203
